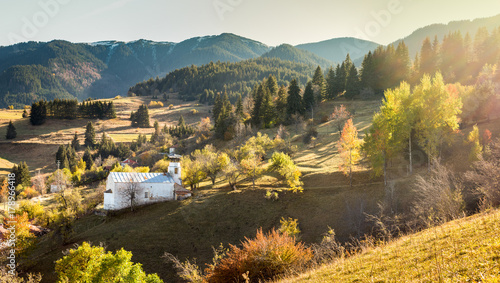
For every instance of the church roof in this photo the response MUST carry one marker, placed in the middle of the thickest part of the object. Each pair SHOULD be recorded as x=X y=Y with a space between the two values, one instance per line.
x=180 y=190
x=126 y=177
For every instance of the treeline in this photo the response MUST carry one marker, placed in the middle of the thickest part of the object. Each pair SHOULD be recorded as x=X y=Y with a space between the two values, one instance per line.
x=181 y=130
x=267 y=105
x=234 y=78
x=459 y=58
x=70 y=109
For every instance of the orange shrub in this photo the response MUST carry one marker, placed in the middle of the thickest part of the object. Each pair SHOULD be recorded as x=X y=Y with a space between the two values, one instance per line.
x=262 y=258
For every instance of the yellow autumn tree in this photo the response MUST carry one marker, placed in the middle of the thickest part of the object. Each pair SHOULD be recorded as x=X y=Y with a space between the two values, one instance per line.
x=474 y=140
x=349 y=149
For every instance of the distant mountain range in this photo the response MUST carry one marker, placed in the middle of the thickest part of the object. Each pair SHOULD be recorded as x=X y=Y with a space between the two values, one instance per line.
x=335 y=50
x=287 y=52
x=60 y=69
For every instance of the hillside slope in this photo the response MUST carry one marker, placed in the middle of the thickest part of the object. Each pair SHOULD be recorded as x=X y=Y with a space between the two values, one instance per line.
x=108 y=68
x=287 y=52
x=336 y=49
x=465 y=250
x=415 y=39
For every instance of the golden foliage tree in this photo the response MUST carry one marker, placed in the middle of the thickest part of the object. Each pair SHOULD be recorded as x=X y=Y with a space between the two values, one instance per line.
x=349 y=149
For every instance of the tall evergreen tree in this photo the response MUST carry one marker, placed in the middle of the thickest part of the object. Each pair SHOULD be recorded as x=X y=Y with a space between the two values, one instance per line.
x=402 y=60
x=217 y=109
x=338 y=85
x=330 y=83
x=75 y=143
x=319 y=81
x=38 y=113
x=141 y=117
x=90 y=135
x=368 y=72
x=156 y=133
x=61 y=155
x=272 y=86
x=281 y=105
x=181 y=122
x=294 y=100
x=308 y=99
x=259 y=96
x=267 y=114
x=427 y=63
x=318 y=78
x=22 y=174
x=11 y=131
x=227 y=106
x=87 y=157
x=239 y=107
x=352 y=85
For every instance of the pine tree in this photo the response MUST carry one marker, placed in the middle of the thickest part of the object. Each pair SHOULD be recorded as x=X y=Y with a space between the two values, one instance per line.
x=294 y=100
x=338 y=85
x=308 y=99
x=402 y=60
x=71 y=154
x=11 y=131
x=110 y=113
x=38 y=113
x=226 y=106
x=90 y=135
x=75 y=144
x=272 y=85
x=217 y=109
x=87 y=157
x=427 y=63
x=281 y=105
x=259 y=96
x=319 y=81
x=352 y=87
x=239 y=107
x=181 y=123
x=330 y=84
x=156 y=134
x=267 y=110
x=141 y=117
x=61 y=155
x=368 y=72
x=22 y=174
x=225 y=118
x=65 y=163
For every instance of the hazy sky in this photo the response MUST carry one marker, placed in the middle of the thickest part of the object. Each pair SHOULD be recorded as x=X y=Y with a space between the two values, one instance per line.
x=272 y=22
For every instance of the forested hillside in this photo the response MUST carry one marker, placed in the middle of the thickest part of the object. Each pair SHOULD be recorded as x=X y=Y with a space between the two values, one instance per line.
x=289 y=53
x=60 y=69
x=336 y=49
x=235 y=78
x=415 y=40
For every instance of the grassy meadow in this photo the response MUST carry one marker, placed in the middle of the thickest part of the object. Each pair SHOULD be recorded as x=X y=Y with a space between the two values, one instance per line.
x=215 y=215
x=465 y=250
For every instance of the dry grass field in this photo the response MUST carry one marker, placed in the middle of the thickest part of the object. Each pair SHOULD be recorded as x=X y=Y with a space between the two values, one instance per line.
x=37 y=145
x=465 y=250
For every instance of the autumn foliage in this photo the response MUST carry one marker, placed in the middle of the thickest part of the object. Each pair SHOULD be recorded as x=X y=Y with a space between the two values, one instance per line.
x=349 y=147
x=262 y=258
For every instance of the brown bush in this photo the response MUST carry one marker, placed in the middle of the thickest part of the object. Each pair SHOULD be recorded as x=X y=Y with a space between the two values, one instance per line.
x=262 y=258
x=485 y=177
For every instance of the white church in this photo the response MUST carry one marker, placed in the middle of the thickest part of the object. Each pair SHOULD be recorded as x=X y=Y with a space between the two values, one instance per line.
x=145 y=187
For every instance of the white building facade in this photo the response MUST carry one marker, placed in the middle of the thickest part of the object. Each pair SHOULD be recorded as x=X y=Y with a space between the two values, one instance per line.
x=142 y=188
